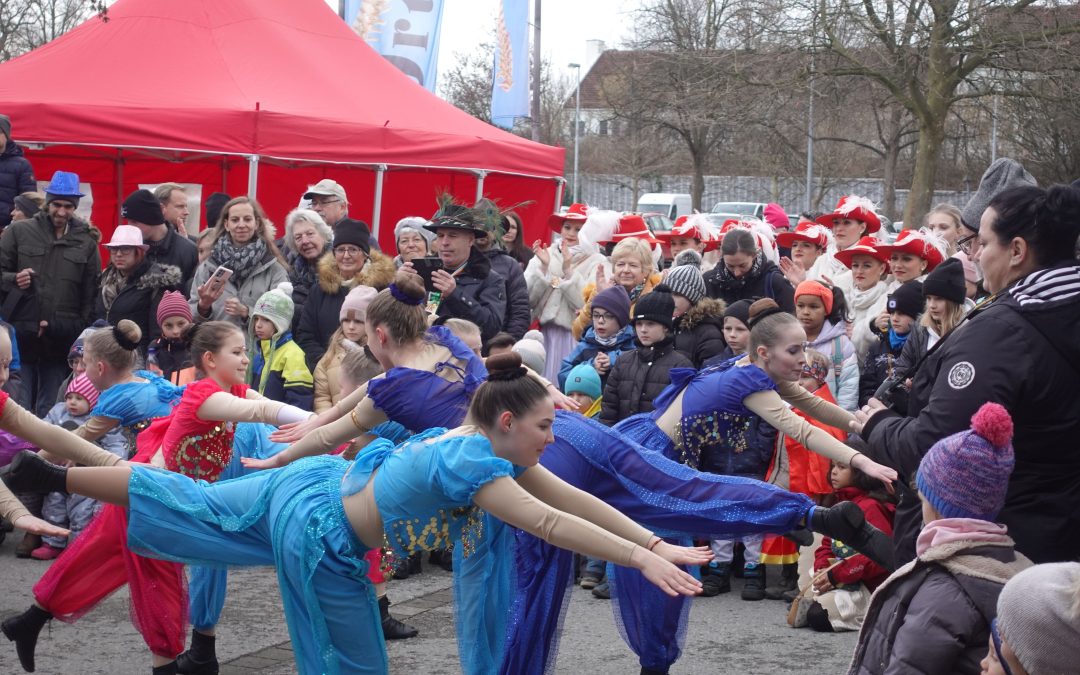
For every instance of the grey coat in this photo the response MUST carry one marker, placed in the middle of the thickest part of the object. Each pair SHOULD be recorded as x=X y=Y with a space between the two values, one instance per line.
x=266 y=276
x=933 y=614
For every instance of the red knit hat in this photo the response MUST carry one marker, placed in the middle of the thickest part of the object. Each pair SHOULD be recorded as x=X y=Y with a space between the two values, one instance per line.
x=82 y=386
x=173 y=303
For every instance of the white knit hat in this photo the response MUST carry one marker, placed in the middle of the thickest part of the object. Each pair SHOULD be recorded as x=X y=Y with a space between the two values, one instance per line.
x=1038 y=614
x=277 y=306
x=531 y=349
x=413 y=224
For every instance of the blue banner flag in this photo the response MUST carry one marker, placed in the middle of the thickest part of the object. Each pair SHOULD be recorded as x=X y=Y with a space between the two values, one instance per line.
x=405 y=32
x=510 y=89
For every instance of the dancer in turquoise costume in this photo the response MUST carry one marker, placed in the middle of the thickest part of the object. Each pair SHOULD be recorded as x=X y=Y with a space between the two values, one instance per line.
x=315 y=519
x=718 y=418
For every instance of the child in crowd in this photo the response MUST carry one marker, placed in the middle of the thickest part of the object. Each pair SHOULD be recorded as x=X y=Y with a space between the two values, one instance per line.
x=73 y=511
x=278 y=367
x=934 y=614
x=823 y=314
x=531 y=349
x=699 y=320
x=944 y=292
x=583 y=386
x=500 y=344
x=843 y=579
x=349 y=337
x=640 y=375
x=168 y=355
x=1037 y=629
x=609 y=335
x=808 y=473
x=466 y=331
x=76 y=359
x=904 y=305
x=736 y=331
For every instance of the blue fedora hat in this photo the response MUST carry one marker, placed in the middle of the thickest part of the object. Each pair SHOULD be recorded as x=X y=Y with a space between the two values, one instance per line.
x=63 y=184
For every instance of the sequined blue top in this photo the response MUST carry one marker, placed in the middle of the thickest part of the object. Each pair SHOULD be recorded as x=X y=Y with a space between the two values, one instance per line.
x=423 y=399
x=714 y=417
x=424 y=488
x=136 y=404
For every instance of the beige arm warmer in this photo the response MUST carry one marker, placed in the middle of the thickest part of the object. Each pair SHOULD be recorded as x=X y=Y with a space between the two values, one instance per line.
x=96 y=427
x=769 y=406
x=557 y=493
x=509 y=502
x=224 y=407
x=363 y=418
x=814 y=406
x=57 y=441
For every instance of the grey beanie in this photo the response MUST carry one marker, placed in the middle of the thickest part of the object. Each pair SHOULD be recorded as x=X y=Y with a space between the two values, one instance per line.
x=1003 y=174
x=686 y=280
x=413 y=224
x=531 y=350
x=1038 y=614
x=5 y=126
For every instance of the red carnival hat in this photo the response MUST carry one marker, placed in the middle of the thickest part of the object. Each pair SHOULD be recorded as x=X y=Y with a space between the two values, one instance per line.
x=576 y=213
x=694 y=226
x=916 y=243
x=815 y=233
x=632 y=226
x=856 y=208
x=749 y=225
x=865 y=246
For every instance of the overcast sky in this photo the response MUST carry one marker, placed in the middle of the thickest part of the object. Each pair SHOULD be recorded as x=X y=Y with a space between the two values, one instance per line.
x=565 y=26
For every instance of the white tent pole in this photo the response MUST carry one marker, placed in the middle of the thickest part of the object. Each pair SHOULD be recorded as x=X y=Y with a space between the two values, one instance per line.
x=479 y=184
x=253 y=176
x=376 y=211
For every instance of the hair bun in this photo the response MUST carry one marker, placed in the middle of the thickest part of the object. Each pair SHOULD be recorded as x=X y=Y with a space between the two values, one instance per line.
x=993 y=422
x=505 y=367
x=760 y=309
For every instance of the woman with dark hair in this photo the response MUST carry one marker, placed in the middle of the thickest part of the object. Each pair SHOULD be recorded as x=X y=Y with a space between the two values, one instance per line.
x=513 y=239
x=1021 y=350
x=242 y=242
x=745 y=272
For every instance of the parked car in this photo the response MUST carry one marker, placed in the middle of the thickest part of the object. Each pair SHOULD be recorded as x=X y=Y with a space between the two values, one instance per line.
x=671 y=204
x=740 y=209
x=657 y=222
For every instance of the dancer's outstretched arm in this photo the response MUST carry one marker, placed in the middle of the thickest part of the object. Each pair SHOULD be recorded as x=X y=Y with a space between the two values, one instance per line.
x=769 y=406
x=291 y=433
x=363 y=418
x=57 y=441
x=224 y=407
x=815 y=406
x=509 y=502
x=557 y=493
x=13 y=509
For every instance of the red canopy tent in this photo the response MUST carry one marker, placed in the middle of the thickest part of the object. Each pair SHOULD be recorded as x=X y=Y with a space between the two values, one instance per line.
x=258 y=97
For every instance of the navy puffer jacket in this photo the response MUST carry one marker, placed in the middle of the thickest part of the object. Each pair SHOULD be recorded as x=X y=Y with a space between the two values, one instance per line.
x=16 y=177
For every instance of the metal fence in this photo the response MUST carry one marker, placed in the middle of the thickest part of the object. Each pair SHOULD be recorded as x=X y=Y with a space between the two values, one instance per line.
x=614 y=192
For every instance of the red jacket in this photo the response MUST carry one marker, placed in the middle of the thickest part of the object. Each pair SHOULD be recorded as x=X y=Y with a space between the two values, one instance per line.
x=856 y=566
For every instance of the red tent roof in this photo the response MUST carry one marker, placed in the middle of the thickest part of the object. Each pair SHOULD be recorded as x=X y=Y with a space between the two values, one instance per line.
x=277 y=78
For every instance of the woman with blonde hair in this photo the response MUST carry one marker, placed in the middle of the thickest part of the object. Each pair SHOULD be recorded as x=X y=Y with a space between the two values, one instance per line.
x=632 y=267
x=944 y=221
x=243 y=243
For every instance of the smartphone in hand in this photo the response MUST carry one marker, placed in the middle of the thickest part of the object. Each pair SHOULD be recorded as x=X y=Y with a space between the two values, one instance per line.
x=425 y=266
x=220 y=277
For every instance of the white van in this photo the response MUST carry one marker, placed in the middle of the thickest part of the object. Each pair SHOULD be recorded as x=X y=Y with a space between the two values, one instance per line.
x=669 y=204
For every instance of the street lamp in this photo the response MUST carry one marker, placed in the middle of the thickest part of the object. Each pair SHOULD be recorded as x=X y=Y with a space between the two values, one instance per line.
x=577 y=124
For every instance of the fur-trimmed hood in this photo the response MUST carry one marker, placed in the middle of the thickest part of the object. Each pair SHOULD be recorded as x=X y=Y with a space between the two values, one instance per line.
x=377 y=273
x=707 y=309
x=151 y=275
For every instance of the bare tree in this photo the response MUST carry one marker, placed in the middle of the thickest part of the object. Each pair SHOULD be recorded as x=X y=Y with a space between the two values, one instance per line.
x=28 y=24
x=929 y=55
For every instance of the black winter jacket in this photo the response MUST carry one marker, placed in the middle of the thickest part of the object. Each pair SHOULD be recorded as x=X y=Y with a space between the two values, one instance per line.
x=699 y=334
x=480 y=296
x=767 y=282
x=16 y=177
x=518 y=312
x=637 y=378
x=882 y=362
x=179 y=252
x=64 y=284
x=136 y=298
x=319 y=314
x=1021 y=351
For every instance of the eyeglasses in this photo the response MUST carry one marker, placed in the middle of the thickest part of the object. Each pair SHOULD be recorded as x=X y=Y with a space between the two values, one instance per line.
x=323 y=202
x=348 y=251
x=603 y=317
x=965 y=243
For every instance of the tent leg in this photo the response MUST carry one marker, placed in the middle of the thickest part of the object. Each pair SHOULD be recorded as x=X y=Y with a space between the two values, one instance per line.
x=480 y=185
x=119 y=180
x=376 y=210
x=560 y=185
x=253 y=176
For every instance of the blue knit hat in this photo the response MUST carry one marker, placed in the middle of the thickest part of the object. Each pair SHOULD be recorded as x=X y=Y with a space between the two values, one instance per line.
x=583 y=379
x=966 y=475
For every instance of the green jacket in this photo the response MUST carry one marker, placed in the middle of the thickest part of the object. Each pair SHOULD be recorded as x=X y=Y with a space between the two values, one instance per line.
x=64 y=285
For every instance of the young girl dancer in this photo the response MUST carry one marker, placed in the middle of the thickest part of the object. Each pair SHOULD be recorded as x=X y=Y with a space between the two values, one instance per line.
x=195 y=440
x=315 y=519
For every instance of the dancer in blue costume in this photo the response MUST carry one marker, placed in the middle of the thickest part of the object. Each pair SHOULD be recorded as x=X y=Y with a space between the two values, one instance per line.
x=705 y=418
x=315 y=520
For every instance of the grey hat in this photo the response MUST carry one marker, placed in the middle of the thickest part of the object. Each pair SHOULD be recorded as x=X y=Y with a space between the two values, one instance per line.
x=686 y=280
x=5 y=126
x=1003 y=174
x=1038 y=614
x=413 y=224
